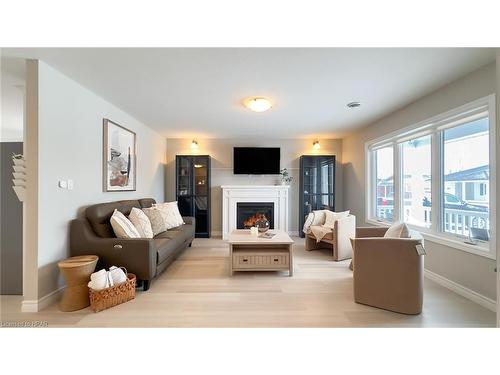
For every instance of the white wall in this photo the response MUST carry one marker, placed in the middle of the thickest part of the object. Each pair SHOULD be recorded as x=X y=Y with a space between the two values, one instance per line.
x=70 y=136
x=12 y=99
x=221 y=151
x=469 y=270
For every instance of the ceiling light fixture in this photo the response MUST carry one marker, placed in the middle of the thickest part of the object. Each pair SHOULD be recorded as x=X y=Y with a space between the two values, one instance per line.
x=353 y=104
x=316 y=145
x=258 y=104
x=194 y=145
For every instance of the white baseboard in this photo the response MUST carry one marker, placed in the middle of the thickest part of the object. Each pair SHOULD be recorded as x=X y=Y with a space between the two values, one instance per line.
x=462 y=290
x=40 y=304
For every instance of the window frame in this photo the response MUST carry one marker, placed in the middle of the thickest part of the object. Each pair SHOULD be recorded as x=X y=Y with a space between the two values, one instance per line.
x=434 y=127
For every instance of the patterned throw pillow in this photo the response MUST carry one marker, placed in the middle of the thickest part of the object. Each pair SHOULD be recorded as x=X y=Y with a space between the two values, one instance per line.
x=122 y=226
x=156 y=219
x=331 y=217
x=170 y=213
x=141 y=223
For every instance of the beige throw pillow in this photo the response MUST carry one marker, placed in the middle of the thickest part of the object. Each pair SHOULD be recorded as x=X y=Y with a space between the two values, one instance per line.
x=156 y=220
x=331 y=217
x=170 y=213
x=319 y=217
x=141 y=223
x=398 y=230
x=122 y=226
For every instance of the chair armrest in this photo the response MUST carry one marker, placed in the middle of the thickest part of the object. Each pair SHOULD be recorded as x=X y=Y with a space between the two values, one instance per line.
x=362 y=232
x=137 y=255
x=344 y=230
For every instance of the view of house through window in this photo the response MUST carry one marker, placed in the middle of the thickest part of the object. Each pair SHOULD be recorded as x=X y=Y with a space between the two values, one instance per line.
x=416 y=157
x=385 y=183
x=466 y=180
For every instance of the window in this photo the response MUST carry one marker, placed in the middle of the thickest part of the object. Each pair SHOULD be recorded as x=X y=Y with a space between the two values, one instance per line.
x=416 y=157
x=436 y=176
x=467 y=167
x=385 y=183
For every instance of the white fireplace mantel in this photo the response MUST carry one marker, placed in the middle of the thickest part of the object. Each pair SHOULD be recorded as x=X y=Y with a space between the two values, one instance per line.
x=232 y=194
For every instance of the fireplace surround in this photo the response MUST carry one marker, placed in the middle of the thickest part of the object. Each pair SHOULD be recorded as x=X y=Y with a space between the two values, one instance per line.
x=234 y=194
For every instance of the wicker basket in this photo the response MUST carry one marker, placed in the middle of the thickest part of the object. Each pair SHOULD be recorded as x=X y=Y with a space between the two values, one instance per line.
x=109 y=297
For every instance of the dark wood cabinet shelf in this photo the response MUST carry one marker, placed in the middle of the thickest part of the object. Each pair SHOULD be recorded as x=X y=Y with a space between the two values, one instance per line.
x=316 y=185
x=193 y=190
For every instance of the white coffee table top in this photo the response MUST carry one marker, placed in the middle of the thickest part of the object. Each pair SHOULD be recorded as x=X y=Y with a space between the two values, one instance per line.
x=243 y=236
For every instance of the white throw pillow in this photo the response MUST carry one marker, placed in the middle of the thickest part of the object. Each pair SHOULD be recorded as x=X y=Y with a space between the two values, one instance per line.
x=156 y=219
x=141 y=223
x=331 y=217
x=307 y=224
x=398 y=230
x=170 y=213
x=319 y=217
x=122 y=226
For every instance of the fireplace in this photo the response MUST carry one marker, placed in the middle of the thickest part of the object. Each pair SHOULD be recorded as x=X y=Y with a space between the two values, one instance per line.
x=247 y=213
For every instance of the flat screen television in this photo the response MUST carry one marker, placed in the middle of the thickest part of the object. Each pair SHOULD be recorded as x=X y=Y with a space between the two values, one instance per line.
x=256 y=160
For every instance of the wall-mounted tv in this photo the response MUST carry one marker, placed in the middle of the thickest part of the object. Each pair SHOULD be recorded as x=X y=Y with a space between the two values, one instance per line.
x=256 y=160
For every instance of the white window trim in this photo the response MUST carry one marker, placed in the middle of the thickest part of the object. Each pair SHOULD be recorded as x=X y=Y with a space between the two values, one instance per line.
x=426 y=127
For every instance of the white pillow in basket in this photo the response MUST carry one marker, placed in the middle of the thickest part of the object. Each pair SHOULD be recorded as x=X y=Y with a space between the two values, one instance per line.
x=170 y=213
x=122 y=226
x=141 y=223
x=331 y=217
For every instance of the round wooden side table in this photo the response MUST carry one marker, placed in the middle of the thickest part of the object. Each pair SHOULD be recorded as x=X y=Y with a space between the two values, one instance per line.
x=76 y=272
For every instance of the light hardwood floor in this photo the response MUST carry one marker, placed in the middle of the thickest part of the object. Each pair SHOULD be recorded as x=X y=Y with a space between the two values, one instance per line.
x=197 y=291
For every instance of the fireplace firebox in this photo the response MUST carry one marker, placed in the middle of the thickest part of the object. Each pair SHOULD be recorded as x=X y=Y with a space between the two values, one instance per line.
x=247 y=213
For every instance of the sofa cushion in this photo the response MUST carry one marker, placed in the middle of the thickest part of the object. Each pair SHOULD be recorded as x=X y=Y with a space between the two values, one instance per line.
x=99 y=215
x=168 y=246
x=331 y=217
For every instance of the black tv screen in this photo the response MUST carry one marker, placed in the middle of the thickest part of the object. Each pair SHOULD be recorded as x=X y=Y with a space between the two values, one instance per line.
x=256 y=160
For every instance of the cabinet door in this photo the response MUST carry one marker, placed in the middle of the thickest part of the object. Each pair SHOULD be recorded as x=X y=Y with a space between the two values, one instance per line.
x=185 y=205
x=184 y=176
x=310 y=175
x=201 y=213
x=200 y=170
x=326 y=173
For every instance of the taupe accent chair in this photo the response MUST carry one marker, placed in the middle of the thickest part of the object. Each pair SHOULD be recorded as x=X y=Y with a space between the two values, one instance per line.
x=338 y=240
x=388 y=273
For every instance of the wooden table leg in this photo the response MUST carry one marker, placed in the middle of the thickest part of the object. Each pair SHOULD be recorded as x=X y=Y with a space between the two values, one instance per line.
x=290 y=271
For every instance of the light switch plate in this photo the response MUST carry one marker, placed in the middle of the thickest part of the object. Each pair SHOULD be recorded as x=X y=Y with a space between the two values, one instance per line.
x=70 y=185
x=63 y=184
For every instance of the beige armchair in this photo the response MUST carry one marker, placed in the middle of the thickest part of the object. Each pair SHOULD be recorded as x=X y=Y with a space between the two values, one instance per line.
x=388 y=272
x=338 y=239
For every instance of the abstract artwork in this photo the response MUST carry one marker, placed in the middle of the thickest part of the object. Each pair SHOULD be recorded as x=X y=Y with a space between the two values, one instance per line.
x=119 y=159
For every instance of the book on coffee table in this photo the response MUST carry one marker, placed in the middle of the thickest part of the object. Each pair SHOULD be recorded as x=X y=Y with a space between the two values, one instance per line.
x=267 y=235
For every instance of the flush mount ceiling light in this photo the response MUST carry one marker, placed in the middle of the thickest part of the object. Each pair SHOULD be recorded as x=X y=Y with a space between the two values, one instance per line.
x=353 y=105
x=316 y=145
x=258 y=104
x=194 y=145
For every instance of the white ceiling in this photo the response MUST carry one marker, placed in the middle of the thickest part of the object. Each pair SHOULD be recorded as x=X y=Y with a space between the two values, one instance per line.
x=198 y=92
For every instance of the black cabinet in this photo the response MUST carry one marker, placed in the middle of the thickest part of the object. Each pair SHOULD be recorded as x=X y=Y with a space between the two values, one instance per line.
x=192 y=177
x=317 y=185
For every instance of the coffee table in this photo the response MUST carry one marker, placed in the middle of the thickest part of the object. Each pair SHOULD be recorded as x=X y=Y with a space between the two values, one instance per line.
x=253 y=253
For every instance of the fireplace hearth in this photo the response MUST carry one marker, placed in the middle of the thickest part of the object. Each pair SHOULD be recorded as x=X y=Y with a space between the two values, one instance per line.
x=247 y=213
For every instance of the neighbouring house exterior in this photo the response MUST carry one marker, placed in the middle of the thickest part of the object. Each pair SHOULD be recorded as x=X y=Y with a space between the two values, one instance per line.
x=471 y=185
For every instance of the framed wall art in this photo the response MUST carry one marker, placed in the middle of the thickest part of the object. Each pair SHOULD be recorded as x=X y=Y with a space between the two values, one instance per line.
x=119 y=158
